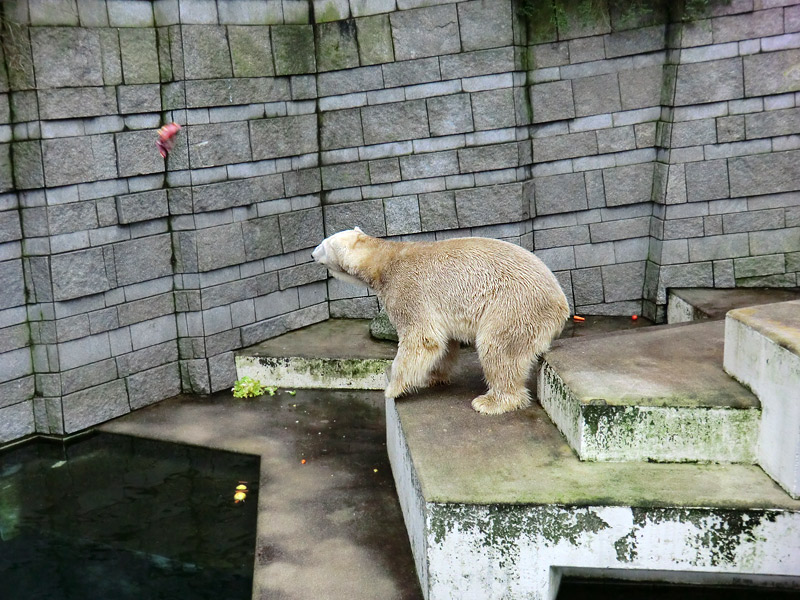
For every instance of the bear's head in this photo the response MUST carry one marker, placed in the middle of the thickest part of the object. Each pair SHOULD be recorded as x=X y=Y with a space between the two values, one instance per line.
x=341 y=256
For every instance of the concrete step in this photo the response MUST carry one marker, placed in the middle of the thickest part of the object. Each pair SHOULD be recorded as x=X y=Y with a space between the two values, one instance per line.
x=696 y=304
x=334 y=354
x=658 y=394
x=762 y=350
x=500 y=507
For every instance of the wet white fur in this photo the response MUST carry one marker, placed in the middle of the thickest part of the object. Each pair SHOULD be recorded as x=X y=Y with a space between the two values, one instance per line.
x=476 y=290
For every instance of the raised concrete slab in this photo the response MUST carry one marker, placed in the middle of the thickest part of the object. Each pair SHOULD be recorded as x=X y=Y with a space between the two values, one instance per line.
x=500 y=507
x=695 y=304
x=655 y=395
x=334 y=354
x=762 y=350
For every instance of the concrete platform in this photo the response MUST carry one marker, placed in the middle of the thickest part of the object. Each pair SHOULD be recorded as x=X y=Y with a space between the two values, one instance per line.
x=762 y=350
x=334 y=354
x=654 y=395
x=331 y=528
x=695 y=304
x=500 y=507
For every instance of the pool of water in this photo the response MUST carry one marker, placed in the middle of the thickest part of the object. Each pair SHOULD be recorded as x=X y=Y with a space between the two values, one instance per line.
x=112 y=516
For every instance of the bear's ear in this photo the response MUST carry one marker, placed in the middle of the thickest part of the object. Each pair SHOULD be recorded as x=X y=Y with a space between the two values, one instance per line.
x=358 y=229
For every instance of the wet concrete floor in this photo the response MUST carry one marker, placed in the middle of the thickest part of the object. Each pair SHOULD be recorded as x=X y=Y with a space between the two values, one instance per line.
x=329 y=527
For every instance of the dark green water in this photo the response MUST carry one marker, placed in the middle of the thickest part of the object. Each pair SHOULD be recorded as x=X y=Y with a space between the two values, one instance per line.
x=115 y=517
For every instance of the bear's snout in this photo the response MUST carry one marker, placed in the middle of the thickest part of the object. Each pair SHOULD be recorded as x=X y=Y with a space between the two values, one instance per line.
x=319 y=253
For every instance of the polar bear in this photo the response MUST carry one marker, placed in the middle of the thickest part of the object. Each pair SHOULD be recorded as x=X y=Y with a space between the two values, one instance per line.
x=485 y=292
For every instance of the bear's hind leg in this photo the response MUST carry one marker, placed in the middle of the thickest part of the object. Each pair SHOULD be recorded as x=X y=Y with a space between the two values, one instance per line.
x=507 y=375
x=416 y=357
x=443 y=369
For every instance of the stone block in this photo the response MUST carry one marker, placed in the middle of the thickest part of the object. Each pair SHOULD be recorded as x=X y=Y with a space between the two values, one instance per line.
x=70 y=103
x=707 y=180
x=366 y=214
x=635 y=41
x=762 y=23
x=438 y=211
x=594 y=255
x=490 y=205
x=262 y=238
x=17 y=421
x=347 y=82
x=620 y=230
x=143 y=259
x=395 y=122
x=240 y=192
x=758 y=220
x=75 y=216
x=718 y=247
x=711 y=81
x=305 y=181
x=354 y=308
x=402 y=215
x=345 y=175
x=772 y=123
x=138 y=99
x=284 y=136
x=301 y=275
x=122 y=13
x=11 y=282
x=154 y=385
x=552 y=101
x=759 y=266
x=251 y=51
x=336 y=45
x=66 y=57
x=559 y=193
x=154 y=332
x=79 y=273
x=630 y=184
x=564 y=146
x=250 y=12
x=135 y=151
x=222 y=370
x=411 y=72
x=139 y=55
x=143 y=206
x=616 y=139
x=218 y=144
x=422 y=32
x=341 y=129
x=435 y=164
x=561 y=236
x=206 y=54
x=28 y=167
x=10 y=229
x=301 y=229
x=554 y=54
x=493 y=109
x=596 y=95
x=587 y=286
x=293 y=49
x=450 y=114
x=375 y=40
x=487 y=158
x=78 y=159
x=485 y=24
x=730 y=129
x=693 y=133
x=774 y=242
x=623 y=281
x=764 y=173
x=220 y=246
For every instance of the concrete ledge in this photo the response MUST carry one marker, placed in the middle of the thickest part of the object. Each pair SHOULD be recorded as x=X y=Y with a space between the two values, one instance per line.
x=334 y=354
x=490 y=519
x=696 y=304
x=762 y=350
x=656 y=395
x=315 y=373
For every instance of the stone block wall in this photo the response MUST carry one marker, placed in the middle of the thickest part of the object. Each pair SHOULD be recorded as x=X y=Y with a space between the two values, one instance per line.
x=630 y=150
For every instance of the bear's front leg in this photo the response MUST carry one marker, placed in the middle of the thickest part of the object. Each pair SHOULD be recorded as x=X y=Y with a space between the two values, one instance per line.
x=416 y=357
